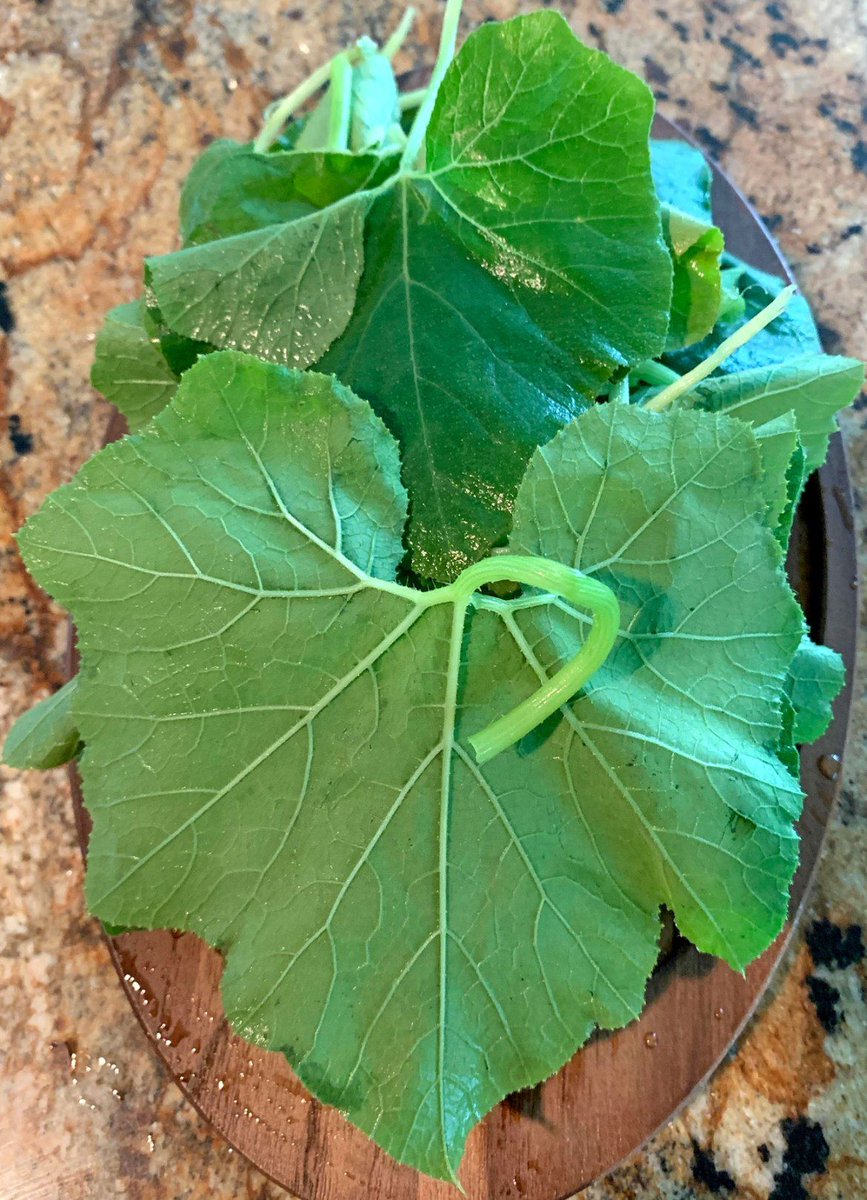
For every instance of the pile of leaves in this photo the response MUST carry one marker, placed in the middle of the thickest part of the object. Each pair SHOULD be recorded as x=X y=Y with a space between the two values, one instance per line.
x=433 y=620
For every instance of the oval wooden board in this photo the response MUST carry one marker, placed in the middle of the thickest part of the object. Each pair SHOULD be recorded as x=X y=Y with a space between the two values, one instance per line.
x=549 y=1142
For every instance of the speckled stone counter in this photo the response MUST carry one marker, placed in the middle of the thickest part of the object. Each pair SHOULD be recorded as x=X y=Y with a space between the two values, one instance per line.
x=103 y=106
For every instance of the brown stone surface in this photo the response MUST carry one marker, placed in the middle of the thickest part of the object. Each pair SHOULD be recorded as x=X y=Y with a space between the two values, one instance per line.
x=103 y=106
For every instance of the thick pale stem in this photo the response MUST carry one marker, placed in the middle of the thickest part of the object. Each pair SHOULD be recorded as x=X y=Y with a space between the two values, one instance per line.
x=580 y=590
x=740 y=337
x=448 y=38
x=340 y=93
x=400 y=34
x=280 y=113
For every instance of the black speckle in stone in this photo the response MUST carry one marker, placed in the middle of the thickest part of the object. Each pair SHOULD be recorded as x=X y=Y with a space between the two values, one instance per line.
x=7 y=319
x=859 y=156
x=851 y=231
x=764 y=1153
x=655 y=72
x=614 y=6
x=716 y=146
x=741 y=56
x=828 y=943
x=745 y=113
x=22 y=443
x=806 y=1153
x=294 y=14
x=705 y=1171
x=773 y=221
x=814 y=248
x=825 y=999
x=782 y=43
x=681 y=30
x=775 y=12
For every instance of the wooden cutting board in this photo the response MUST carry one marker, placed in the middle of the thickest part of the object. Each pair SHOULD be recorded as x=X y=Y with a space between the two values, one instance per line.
x=551 y=1141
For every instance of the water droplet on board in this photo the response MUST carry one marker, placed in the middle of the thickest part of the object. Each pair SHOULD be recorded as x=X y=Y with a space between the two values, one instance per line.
x=829 y=765
x=719 y=1013
x=651 y=1041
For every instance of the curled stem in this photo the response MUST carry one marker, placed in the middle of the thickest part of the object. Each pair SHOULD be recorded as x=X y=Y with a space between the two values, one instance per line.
x=740 y=337
x=280 y=113
x=578 y=589
x=410 y=100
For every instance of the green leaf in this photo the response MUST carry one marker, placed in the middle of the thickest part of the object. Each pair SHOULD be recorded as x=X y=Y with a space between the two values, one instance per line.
x=285 y=291
x=695 y=248
x=816 y=678
x=682 y=178
x=45 y=736
x=793 y=334
x=815 y=388
x=491 y=306
x=232 y=189
x=277 y=750
x=130 y=368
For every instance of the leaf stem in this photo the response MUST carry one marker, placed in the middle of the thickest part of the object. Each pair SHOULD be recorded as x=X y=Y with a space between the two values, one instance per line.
x=448 y=38
x=740 y=337
x=400 y=34
x=573 y=586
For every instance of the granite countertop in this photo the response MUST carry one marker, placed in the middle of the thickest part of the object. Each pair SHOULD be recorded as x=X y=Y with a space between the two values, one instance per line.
x=103 y=106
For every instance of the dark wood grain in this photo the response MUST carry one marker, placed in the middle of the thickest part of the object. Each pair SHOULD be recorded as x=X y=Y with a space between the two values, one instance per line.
x=615 y=1092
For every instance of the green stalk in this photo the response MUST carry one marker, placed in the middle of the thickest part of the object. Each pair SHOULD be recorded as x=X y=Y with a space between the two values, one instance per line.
x=578 y=589
x=651 y=371
x=400 y=34
x=619 y=391
x=448 y=38
x=340 y=92
x=740 y=337
x=413 y=99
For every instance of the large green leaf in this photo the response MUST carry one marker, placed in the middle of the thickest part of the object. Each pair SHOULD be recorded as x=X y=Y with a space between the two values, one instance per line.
x=503 y=284
x=277 y=750
x=130 y=368
x=232 y=189
x=815 y=388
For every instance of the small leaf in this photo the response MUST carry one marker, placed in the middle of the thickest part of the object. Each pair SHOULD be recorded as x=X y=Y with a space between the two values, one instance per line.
x=285 y=291
x=815 y=388
x=47 y=735
x=697 y=296
x=130 y=368
x=793 y=334
x=816 y=678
